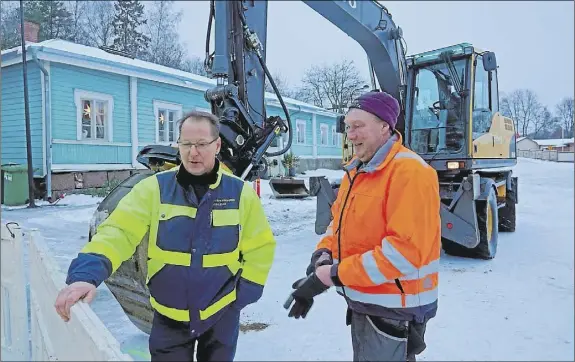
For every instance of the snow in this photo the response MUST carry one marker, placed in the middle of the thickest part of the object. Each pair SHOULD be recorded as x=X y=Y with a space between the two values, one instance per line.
x=518 y=306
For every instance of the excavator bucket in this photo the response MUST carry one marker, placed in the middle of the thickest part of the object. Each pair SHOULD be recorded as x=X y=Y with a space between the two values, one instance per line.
x=287 y=187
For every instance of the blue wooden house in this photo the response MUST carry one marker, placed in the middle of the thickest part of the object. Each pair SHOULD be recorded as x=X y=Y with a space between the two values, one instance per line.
x=91 y=112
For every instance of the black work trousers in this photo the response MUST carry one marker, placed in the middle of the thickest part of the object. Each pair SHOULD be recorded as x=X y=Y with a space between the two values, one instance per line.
x=172 y=341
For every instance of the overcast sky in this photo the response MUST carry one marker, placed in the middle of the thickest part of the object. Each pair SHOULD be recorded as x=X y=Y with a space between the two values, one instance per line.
x=533 y=41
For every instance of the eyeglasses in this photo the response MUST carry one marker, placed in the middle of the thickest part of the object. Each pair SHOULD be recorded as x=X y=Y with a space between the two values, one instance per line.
x=200 y=146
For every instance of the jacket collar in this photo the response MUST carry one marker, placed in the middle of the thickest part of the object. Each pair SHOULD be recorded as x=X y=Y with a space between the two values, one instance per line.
x=381 y=158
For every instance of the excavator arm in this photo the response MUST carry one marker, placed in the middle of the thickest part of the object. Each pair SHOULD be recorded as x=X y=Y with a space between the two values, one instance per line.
x=238 y=63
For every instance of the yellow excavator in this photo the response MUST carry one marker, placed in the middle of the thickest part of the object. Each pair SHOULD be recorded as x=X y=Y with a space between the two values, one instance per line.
x=449 y=116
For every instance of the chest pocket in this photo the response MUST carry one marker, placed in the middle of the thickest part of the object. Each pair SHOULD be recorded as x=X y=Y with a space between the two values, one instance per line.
x=225 y=230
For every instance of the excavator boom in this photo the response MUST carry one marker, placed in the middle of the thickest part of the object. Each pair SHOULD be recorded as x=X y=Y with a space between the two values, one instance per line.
x=238 y=64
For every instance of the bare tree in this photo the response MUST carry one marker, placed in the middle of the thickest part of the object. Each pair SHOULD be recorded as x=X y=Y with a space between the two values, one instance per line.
x=281 y=84
x=194 y=65
x=9 y=25
x=78 y=32
x=543 y=123
x=522 y=106
x=332 y=86
x=564 y=112
x=161 y=28
x=99 y=23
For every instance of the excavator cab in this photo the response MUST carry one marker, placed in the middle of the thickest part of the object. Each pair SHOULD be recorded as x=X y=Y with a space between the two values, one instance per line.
x=452 y=110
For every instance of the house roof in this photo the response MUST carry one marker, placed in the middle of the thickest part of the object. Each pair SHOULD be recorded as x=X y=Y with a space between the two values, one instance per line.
x=557 y=142
x=71 y=53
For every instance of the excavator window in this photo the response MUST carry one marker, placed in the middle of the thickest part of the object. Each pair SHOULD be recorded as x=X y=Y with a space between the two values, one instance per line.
x=437 y=122
x=482 y=112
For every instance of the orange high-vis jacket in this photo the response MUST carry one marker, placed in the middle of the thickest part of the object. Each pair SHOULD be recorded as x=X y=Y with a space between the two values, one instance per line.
x=385 y=236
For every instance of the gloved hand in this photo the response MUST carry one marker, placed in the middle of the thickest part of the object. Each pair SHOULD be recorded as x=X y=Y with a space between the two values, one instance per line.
x=318 y=259
x=305 y=290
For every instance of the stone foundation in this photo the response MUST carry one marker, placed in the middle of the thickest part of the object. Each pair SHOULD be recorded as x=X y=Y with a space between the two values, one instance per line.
x=82 y=181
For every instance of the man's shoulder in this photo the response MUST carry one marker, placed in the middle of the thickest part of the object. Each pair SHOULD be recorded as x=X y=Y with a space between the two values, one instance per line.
x=230 y=178
x=408 y=158
x=408 y=164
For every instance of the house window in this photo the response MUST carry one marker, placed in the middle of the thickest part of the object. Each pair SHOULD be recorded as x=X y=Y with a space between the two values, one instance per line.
x=93 y=115
x=166 y=118
x=300 y=131
x=323 y=133
x=334 y=138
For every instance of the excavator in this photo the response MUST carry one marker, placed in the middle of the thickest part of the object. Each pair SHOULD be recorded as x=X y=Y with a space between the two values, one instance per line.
x=449 y=116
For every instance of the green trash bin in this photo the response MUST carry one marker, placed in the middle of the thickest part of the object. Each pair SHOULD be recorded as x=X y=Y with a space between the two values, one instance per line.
x=14 y=184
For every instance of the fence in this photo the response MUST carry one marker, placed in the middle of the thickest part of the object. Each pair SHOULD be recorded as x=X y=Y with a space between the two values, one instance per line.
x=548 y=155
x=31 y=328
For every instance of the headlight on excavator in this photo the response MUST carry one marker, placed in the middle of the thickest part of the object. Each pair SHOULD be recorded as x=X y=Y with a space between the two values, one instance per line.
x=455 y=165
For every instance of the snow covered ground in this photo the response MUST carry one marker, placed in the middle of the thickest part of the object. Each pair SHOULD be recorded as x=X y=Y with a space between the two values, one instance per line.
x=518 y=306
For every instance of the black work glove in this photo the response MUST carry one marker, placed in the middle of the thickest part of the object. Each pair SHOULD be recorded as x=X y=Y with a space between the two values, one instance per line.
x=317 y=259
x=305 y=290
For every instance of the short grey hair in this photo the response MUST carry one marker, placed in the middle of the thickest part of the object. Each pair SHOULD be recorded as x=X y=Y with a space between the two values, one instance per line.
x=201 y=116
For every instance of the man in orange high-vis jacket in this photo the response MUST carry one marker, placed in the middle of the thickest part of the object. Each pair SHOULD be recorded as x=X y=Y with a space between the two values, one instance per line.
x=382 y=248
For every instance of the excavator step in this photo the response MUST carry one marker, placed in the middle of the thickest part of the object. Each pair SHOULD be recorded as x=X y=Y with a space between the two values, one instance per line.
x=287 y=187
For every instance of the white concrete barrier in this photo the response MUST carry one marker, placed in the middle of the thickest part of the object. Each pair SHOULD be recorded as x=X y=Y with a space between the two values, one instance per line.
x=48 y=338
x=547 y=155
x=566 y=157
x=14 y=317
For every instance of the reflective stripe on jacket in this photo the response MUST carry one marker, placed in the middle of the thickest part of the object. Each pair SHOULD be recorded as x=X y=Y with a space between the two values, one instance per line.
x=202 y=258
x=386 y=222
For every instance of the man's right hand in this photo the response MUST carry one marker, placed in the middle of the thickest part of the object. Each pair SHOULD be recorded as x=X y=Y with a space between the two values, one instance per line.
x=72 y=294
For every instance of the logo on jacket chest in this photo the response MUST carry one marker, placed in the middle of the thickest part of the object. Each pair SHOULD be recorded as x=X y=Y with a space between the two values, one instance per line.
x=223 y=203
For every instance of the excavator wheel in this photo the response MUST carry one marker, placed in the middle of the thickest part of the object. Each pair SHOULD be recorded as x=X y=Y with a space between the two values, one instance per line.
x=487 y=223
x=128 y=283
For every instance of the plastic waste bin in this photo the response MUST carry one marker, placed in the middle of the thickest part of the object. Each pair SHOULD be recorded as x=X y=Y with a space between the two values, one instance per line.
x=14 y=184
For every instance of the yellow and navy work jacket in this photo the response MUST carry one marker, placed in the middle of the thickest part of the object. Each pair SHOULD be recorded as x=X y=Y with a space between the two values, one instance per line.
x=202 y=257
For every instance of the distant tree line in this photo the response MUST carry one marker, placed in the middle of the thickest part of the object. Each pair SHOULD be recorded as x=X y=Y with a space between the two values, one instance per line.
x=148 y=30
x=536 y=120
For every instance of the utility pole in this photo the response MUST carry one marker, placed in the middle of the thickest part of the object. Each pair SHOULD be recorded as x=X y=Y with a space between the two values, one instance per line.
x=27 y=112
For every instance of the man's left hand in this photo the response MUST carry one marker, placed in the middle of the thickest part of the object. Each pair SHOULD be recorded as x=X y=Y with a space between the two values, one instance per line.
x=324 y=275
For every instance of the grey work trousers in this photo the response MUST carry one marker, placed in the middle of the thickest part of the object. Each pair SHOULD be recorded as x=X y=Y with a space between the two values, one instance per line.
x=383 y=339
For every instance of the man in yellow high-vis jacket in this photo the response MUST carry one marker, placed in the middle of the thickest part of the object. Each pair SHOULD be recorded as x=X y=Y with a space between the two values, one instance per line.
x=210 y=249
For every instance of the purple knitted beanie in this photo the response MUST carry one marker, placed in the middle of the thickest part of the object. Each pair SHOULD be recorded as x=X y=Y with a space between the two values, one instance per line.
x=380 y=104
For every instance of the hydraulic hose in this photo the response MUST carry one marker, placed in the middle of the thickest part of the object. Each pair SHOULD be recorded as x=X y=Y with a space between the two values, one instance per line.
x=280 y=98
x=277 y=92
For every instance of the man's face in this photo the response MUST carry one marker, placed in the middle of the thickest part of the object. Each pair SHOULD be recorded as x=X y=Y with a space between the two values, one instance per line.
x=198 y=146
x=366 y=132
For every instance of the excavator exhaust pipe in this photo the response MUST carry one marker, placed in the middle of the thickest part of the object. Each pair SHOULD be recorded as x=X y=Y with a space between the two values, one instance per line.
x=287 y=187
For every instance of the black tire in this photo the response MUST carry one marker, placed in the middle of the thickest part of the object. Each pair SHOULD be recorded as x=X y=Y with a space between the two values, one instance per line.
x=507 y=215
x=488 y=235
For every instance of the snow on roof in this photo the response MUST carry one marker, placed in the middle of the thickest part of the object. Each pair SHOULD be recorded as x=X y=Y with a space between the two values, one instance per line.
x=70 y=49
x=557 y=142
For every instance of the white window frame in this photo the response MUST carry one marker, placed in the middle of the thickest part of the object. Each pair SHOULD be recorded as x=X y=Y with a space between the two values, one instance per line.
x=79 y=95
x=334 y=136
x=298 y=123
x=177 y=108
x=323 y=128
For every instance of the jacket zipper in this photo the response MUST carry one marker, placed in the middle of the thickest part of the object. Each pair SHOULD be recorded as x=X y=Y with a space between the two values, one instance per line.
x=352 y=180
